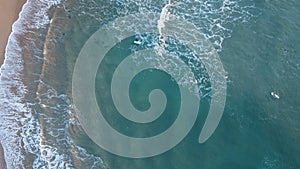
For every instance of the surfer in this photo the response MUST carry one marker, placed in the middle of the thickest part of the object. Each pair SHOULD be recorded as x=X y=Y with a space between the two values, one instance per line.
x=275 y=95
x=137 y=41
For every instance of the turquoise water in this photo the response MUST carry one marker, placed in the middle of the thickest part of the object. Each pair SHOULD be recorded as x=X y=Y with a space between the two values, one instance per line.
x=258 y=45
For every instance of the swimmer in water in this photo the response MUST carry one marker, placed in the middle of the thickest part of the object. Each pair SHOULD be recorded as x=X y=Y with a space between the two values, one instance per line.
x=137 y=41
x=275 y=95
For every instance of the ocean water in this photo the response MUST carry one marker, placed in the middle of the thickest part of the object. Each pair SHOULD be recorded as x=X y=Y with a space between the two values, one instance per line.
x=258 y=45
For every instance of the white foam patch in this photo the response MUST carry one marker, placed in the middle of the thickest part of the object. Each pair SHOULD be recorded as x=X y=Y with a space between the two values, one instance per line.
x=36 y=12
x=215 y=19
x=12 y=105
x=19 y=128
x=274 y=160
x=55 y=147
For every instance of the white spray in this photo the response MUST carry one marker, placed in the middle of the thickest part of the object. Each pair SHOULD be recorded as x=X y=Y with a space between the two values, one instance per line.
x=164 y=17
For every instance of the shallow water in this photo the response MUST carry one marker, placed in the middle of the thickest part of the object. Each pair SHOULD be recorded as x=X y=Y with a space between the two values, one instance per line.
x=257 y=44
